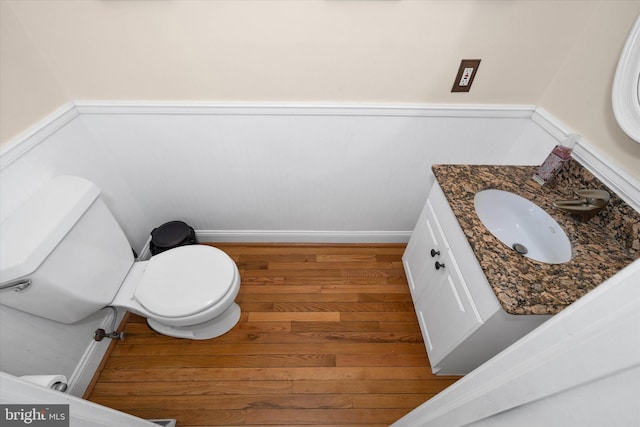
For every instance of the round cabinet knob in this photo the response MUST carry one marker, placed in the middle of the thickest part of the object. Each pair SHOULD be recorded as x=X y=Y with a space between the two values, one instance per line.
x=434 y=253
x=439 y=266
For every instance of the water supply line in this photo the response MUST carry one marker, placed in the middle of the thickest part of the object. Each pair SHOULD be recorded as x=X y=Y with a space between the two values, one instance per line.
x=100 y=333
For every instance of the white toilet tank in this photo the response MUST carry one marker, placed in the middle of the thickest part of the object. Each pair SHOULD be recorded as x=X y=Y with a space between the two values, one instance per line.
x=68 y=244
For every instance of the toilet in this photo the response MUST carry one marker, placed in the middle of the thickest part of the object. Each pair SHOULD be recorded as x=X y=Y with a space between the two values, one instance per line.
x=63 y=257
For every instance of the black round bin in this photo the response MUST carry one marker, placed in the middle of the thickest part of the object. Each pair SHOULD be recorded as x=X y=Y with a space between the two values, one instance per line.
x=171 y=235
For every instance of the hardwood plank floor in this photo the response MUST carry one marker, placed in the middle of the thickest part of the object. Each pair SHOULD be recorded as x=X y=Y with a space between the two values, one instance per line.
x=327 y=337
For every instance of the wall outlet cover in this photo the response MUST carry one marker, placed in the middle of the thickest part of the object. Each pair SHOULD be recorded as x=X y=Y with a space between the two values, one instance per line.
x=466 y=73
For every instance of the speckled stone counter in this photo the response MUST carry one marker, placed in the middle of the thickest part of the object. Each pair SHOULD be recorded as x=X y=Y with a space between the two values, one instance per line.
x=601 y=247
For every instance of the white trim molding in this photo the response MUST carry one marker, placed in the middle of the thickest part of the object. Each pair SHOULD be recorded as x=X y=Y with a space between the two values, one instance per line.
x=302 y=109
x=303 y=236
x=292 y=236
x=287 y=236
x=36 y=134
x=92 y=357
x=550 y=124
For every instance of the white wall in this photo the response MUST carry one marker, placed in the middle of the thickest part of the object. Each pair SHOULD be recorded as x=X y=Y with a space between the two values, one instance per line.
x=559 y=54
x=31 y=345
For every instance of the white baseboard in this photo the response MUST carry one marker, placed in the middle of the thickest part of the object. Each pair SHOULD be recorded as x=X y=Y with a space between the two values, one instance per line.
x=145 y=253
x=92 y=357
x=291 y=236
x=302 y=236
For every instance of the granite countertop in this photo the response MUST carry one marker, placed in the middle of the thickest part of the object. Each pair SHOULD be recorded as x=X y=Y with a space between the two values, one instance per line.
x=525 y=286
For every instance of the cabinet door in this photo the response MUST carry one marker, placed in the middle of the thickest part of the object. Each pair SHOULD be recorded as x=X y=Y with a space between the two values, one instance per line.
x=417 y=258
x=445 y=312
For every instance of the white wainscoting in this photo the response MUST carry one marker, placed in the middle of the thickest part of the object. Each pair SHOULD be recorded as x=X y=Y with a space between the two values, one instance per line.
x=247 y=173
x=31 y=345
x=300 y=173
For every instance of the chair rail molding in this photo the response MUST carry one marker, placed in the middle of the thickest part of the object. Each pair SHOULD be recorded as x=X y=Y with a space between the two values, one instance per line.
x=304 y=109
x=36 y=134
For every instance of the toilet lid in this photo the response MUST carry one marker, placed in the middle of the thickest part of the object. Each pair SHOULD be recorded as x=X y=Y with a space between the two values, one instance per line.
x=185 y=280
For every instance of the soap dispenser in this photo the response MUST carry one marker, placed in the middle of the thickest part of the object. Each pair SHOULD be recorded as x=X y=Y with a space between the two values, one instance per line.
x=554 y=162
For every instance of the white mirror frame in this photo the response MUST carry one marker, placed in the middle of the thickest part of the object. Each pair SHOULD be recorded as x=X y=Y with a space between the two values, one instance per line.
x=626 y=85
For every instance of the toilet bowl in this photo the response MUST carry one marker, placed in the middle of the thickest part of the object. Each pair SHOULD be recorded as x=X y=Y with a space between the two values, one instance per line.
x=65 y=257
x=185 y=292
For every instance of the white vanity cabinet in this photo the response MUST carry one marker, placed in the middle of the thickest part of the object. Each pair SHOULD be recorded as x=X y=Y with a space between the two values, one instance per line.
x=462 y=322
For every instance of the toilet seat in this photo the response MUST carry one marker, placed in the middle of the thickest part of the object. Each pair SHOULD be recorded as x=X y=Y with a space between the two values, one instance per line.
x=185 y=281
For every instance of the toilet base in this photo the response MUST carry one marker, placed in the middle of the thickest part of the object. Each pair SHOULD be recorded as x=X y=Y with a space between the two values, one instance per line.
x=203 y=331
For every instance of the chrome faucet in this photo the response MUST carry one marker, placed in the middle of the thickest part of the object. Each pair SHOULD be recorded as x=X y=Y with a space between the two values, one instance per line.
x=589 y=203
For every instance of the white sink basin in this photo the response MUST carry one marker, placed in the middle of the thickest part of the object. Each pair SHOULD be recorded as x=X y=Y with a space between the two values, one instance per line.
x=523 y=226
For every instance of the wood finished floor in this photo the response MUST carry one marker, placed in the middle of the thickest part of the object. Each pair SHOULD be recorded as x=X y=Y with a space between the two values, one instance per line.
x=328 y=336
